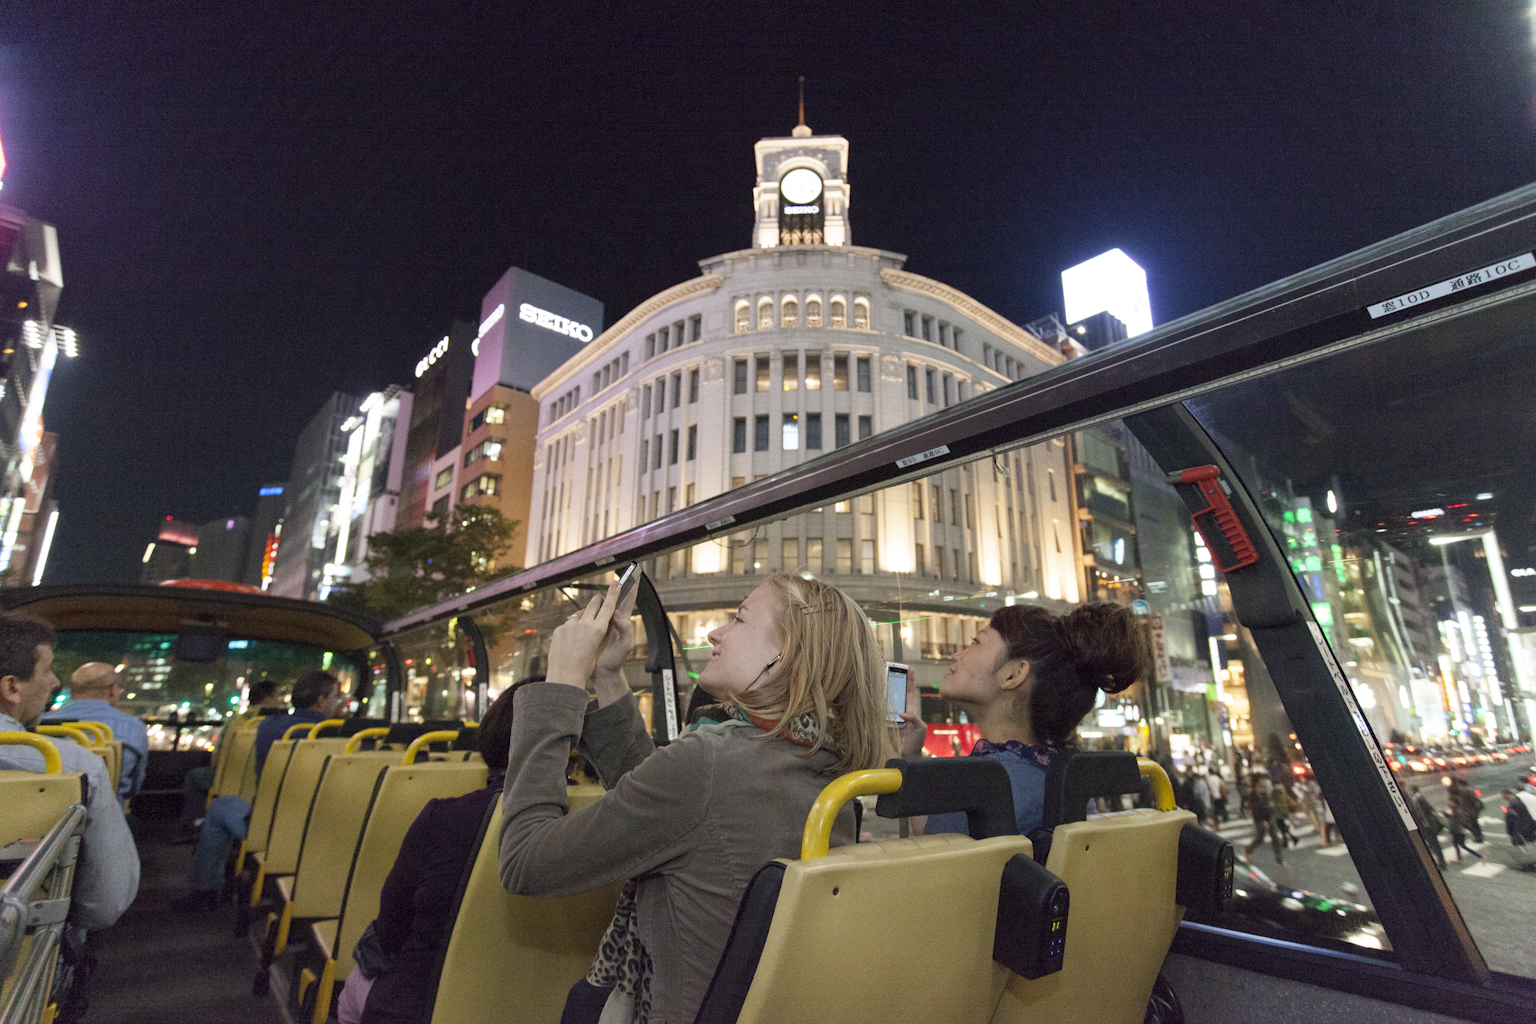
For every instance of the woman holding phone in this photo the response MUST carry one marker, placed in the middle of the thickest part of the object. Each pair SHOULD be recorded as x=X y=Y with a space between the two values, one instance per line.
x=800 y=678
x=1027 y=680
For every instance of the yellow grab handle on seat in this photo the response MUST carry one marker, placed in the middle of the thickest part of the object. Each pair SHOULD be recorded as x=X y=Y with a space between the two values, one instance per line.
x=358 y=737
x=306 y=727
x=818 y=824
x=52 y=763
x=69 y=731
x=314 y=732
x=428 y=737
x=100 y=731
x=1162 y=789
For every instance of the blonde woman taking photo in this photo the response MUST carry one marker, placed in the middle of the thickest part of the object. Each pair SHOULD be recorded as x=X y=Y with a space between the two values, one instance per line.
x=799 y=677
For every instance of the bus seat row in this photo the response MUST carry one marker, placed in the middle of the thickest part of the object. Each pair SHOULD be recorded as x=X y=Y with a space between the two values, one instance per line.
x=31 y=805
x=95 y=737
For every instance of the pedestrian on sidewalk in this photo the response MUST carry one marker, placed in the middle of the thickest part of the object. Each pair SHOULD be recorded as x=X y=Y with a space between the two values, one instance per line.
x=1284 y=807
x=1218 y=792
x=1430 y=823
x=1458 y=831
x=1312 y=806
x=1202 y=797
x=1262 y=809
x=1521 y=828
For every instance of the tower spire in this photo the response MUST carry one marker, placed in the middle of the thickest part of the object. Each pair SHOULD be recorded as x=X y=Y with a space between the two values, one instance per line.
x=801 y=131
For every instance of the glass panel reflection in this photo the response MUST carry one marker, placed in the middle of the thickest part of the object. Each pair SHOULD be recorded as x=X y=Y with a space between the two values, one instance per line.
x=1398 y=479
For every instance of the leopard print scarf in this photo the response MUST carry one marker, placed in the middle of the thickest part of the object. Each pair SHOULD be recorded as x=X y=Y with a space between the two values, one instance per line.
x=622 y=962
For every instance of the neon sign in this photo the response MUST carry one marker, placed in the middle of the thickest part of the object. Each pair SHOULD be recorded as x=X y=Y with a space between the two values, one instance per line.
x=433 y=356
x=551 y=322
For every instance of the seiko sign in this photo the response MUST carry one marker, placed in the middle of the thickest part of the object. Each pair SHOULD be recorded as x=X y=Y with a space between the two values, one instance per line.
x=431 y=357
x=550 y=322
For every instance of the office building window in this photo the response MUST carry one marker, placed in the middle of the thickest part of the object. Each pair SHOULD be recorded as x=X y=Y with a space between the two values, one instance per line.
x=867 y=557
x=671 y=500
x=954 y=507
x=974 y=573
x=623 y=364
x=909 y=323
x=861 y=314
x=444 y=478
x=789 y=313
x=840 y=371
x=693 y=385
x=765 y=315
x=918 y=563
x=813 y=312
x=813 y=555
x=695 y=327
x=791 y=371
x=839 y=313
x=986 y=356
x=760 y=434
x=961 y=390
x=928 y=376
x=911 y=382
x=863 y=373
x=1050 y=482
x=688 y=495
x=672 y=448
x=645 y=453
x=677 y=389
x=813 y=371
x=949 y=389
x=840 y=430
x=657 y=450
x=866 y=426
x=813 y=431
x=661 y=340
x=739 y=377
x=937 y=506
x=483 y=484
x=917 y=500
x=738 y=435
x=954 y=336
x=743 y=321
x=762 y=373
x=845 y=556
x=955 y=562
x=650 y=346
x=970 y=513
x=737 y=481
x=693 y=443
x=661 y=395
x=841 y=507
x=791 y=432
x=944 y=334
x=927 y=328
x=789 y=554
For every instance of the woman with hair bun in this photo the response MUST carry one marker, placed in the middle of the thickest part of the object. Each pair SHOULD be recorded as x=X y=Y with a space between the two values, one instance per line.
x=1027 y=680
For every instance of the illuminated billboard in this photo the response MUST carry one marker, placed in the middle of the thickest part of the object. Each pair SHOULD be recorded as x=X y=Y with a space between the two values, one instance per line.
x=1109 y=283
x=529 y=327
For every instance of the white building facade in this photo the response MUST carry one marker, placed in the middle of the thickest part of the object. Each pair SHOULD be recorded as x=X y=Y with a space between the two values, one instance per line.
x=776 y=355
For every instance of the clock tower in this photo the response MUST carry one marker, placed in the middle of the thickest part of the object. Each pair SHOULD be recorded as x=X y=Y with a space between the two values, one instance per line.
x=801 y=196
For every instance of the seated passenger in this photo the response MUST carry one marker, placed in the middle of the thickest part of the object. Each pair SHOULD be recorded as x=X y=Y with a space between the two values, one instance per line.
x=262 y=699
x=395 y=956
x=800 y=675
x=316 y=696
x=93 y=692
x=107 y=874
x=1027 y=680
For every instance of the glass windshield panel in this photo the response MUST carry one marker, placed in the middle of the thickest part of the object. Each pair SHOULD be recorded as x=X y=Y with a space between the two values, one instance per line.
x=186 y=702
x=1398 y=477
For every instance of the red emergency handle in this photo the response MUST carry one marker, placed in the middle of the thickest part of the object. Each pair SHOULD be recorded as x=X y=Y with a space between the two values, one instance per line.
x=1217 y=523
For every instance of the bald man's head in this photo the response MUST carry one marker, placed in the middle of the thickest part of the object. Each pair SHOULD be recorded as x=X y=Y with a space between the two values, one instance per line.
x=94 y=679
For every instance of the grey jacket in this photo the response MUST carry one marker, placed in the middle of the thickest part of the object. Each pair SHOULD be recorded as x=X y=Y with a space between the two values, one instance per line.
x=693 y=821
x=107 y=874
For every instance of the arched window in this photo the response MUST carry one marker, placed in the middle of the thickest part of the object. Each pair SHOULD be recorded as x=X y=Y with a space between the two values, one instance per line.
x=861 y=314
x=743 y=317
x=813 y=312
x=789 y=312
x=765 y=315
x=839 y=313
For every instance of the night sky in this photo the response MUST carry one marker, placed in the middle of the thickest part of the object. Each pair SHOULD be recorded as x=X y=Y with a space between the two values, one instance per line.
x=259 y=205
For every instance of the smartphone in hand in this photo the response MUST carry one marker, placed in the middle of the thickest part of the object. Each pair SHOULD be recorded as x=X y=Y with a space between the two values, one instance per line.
x=896 y=675
x=628 y=579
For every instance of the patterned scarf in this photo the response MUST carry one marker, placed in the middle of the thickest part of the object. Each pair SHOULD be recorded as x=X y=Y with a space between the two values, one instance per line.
x=1038 y=753
x=622 y=962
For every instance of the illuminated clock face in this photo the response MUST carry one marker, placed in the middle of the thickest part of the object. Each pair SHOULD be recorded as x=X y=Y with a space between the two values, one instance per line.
x=800 y=186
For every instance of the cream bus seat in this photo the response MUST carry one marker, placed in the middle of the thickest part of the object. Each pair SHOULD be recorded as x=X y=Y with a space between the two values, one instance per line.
x=233 y=752
x=401 y=794
x=831 y=934
x=1127 y=876
x=516 y=957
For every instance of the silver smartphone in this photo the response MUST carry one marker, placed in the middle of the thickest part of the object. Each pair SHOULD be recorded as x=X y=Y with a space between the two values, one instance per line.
x=896 y=675
x=628 y=579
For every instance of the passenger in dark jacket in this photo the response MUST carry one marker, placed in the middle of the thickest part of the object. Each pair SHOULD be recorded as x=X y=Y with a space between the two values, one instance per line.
x=396 y=955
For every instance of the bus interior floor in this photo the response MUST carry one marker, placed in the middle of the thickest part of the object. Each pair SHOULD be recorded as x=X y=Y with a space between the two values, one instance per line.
x=158 y=966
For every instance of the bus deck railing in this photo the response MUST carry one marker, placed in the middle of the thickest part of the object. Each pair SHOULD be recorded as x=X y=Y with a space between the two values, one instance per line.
x=29 y=903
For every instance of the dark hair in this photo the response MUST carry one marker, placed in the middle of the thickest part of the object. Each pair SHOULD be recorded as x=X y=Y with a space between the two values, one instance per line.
x=310 y=687
x=260 y=690
x=494 y=739
x=1071 y=657
x=20 y=636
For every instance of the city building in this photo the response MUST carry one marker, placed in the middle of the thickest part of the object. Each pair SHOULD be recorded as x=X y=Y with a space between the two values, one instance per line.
x=373 y=469
x=496 y=468
x=266 y=532
x=39 y=518
x=440 y=395
x=30 y=347
x=169 y=555
x=222 y=546
x=798 y=345
x=314 y=490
